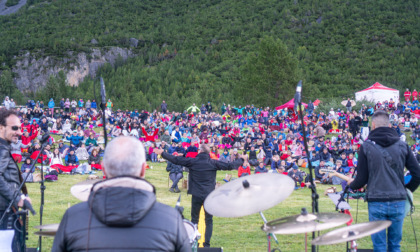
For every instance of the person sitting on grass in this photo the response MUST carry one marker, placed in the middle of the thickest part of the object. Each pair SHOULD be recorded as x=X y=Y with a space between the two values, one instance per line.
x=91 y=143
x=175 y=174
x=260 y=168
x=27 y=165
x=82 y=153
x=75 y=140
x=244 y=169
x=71 y=159
x=297 y=176
x=95 y=160
x=225 y=156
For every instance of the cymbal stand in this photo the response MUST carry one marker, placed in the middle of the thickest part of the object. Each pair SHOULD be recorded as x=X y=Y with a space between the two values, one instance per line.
x=268 y=234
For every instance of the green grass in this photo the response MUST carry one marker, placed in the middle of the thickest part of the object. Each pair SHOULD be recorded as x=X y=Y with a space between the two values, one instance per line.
x=233 y=234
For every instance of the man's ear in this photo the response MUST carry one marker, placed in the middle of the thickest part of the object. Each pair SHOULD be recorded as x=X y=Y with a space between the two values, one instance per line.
x=143 y=170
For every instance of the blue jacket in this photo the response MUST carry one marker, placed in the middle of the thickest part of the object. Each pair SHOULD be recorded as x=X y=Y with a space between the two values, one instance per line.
x=93 y=105
x=75 y=139
x=71 y=159
x=51 y=104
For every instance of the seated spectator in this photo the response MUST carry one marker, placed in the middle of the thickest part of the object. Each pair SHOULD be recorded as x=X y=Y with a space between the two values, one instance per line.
x=16 y=149
x=234 y=156
x=67 y=126
x=75 y=140
x=244 y=169
x=91 y=143
x=175 y=174
x=225 y=157
x=71 y=159
x=82 y=153
x=192 y=151
x=252 y=156
x=152 y=155
x=95 y=160
x=297 y=176
x=27 y=166
x=260 y=168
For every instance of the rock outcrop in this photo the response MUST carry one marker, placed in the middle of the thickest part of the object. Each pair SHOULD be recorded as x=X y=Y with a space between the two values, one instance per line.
x=33 y=72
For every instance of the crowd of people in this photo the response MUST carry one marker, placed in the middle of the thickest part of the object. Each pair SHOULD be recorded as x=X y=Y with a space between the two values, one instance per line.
x=271 y=139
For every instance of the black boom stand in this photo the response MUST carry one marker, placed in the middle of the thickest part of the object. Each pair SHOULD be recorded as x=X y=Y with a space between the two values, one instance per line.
x=42 y=188
x=315 y=195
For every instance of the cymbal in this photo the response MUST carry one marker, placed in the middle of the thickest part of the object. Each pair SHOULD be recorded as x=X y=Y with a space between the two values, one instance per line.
x=305 y=223
x=82 y=190
x=48 y=226
x=248 y=195
x=351 y=233
x=47 y=233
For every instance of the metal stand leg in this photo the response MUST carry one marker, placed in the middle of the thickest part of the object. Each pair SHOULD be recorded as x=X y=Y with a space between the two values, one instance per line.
x=268 y=234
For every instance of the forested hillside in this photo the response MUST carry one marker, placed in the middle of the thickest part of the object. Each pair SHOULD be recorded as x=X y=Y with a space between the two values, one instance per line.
x=199 y=51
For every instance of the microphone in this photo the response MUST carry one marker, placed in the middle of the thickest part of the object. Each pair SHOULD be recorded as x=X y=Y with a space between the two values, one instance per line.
x=27 y=205
x=298 y=96
x=103 y=94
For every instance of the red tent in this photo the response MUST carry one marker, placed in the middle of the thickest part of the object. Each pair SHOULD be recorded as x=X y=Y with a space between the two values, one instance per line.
x=290 y=105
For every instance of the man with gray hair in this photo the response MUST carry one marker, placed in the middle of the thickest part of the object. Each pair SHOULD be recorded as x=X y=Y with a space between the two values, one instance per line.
x=380 y=166
x=201 y=181
x=121 y=213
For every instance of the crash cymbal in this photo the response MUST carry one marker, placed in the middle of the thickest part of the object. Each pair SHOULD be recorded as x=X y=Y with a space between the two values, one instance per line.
x=48 y=226
x=47 y=233
x=248 y=195
x=351 y=233
x=82 y=190
x=305 y=223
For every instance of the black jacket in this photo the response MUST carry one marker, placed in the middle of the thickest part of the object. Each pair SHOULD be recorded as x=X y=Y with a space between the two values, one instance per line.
x=202 y=175
x=382 y=183
x=135 y=222
x=9 y=176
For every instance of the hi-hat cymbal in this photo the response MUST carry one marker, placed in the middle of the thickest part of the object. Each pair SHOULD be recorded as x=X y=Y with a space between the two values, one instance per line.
x=48 y=226
x=305 y=223
x=47 y=233
x=351 y=233
x=82 y=190
x=248 y=195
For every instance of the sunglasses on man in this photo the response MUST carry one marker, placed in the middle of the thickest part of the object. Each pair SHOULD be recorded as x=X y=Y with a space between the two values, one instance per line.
x=15 y=128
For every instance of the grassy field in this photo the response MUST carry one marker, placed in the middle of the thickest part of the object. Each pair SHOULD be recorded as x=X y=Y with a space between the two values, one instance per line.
x=233 y=234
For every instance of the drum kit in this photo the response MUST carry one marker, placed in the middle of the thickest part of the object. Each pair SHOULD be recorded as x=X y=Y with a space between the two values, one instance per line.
x=247 y=195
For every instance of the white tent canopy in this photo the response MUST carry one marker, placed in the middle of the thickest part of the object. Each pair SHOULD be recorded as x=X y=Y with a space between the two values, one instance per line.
x=378 y=93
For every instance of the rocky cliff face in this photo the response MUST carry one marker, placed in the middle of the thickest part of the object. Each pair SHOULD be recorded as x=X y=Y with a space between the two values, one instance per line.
x=33 y=72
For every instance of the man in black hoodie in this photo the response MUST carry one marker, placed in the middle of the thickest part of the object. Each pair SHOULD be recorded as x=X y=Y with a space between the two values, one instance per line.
x=122 y=213
x=381 y=163
x=202 y=181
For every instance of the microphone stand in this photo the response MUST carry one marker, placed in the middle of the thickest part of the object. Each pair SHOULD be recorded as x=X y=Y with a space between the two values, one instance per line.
x=42 y=188
x=314 y=194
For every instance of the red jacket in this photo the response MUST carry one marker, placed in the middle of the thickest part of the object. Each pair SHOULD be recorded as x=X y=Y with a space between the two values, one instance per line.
x=415 y=93
x=407 y=95
x=148 y=137
x=242 y=170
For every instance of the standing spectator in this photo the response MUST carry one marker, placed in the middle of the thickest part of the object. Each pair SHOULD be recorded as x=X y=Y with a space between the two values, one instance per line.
x=209 y=107
x=164 y=107
x=67 y=105
x=88 y=105
x=93 y=105
x=81 y=103
x=407 y=95
x=6 y=102
x=194 y=109
x=223 y=109
x=51 y=105
x=12 y=104
x=348 y=105
x=310 y=108
x=109 y=104
x=203 y=109
x=62 y=104
x=73 y=106
x=414 y=94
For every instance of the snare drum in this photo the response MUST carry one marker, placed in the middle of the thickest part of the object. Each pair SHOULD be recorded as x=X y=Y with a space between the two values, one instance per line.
x=193 y=234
